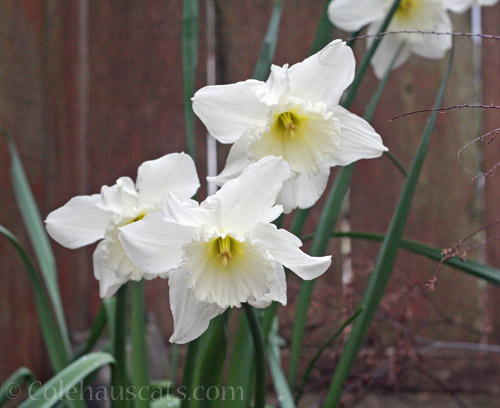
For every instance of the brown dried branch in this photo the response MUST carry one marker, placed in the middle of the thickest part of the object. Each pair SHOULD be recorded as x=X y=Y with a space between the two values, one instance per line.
x=379 y=35
x=493 y=134
x=447 y=108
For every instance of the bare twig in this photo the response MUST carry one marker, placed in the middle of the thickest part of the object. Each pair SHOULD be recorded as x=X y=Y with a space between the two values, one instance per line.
x=379 y=35
x=447 y=108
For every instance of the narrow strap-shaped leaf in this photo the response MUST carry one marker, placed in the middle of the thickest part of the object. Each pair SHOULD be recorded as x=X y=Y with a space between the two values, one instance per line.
x=213 y=361
x=189 y=375
x=11 y=386
x=96 y=331
x=283 y=392
x=320 y=351
x=324 y=30
x=268 y=46
x=51 y=333
x=58 y=386
x=190 y=16
x=38 y=236
x=331 y=210
x=365 y=62
x=260 y=358
x=140 y=373
x=476 y=269
x=383 y=267
x=242 y=364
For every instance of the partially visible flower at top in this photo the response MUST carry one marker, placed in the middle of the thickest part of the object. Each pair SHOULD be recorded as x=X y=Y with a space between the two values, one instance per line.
x=90 y=218
x=411 y=15
x=294 y=115
x=223 y=252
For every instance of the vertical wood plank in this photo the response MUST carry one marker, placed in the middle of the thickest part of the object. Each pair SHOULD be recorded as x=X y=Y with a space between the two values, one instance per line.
x=21 y=113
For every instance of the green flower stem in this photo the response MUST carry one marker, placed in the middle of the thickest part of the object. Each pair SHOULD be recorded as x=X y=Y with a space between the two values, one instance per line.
x=260 y=358
x=119 y=380
x=383 y=267
x=140 y=374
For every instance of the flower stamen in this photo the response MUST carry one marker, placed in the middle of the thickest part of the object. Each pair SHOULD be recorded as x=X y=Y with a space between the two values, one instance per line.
x=225 y=249
x=286 y=119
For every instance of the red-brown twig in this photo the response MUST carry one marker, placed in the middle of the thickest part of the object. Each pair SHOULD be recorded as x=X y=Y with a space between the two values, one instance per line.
x=447 y=108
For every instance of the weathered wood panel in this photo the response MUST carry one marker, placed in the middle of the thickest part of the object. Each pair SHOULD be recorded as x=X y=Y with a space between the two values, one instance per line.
x=92 y=89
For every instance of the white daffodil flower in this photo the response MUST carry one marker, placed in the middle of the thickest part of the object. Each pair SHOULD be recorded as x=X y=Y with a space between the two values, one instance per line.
x=295 y=115
x=87 y=219
x=411 y=15
x=223 y=252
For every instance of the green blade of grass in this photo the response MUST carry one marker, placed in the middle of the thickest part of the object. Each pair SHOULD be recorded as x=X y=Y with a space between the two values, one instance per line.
x=38 y=236
x=140 y=373
x=320 y=351
x=387 y=255
x=190 y=16
x=476 y=269
x=331 y=210
x=283 y=392
x=51 y=331
x=56 y=388
x=21 y=376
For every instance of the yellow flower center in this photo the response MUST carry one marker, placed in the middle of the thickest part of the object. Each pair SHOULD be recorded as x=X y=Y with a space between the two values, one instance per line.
x=139 y=217
x=287 y=126
x=224 y=249
x=406 y=5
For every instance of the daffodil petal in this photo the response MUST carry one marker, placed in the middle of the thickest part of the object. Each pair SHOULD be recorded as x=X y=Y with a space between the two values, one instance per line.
x=173 y=172
x=79 y=222
x=236 y=162
x=435 y=46
x=351 y=16
x=277 y=292
x=277 y=85
x=358 y=140
x=386 y=51
x=324 y=76
x=187 y=212
x=120 y=196
x=284 y=248
x=250 y=197
x=229 y=110
x=153 y=244
x=191 y=317
x=457 y=6
x=303 y=191
x=105 y=271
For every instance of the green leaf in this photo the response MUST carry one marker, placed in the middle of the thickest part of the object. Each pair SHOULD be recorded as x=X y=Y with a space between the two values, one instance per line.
x=320 y=351
x=260 y=358
x=268 y=46
x=242 y=364
x=365 y=62
x=51 y=331
x=168 y=401
x=66 y=381
x=331 y=210
x=189 y=375
x=476 y=269
x=324 y=30
x=283 y=392
x=383 y=267
x=38 y=236
x=96 y=331
x=190 y=16
x=14 y=382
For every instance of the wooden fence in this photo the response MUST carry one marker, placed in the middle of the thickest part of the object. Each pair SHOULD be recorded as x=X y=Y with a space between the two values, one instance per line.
x=90 y=89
